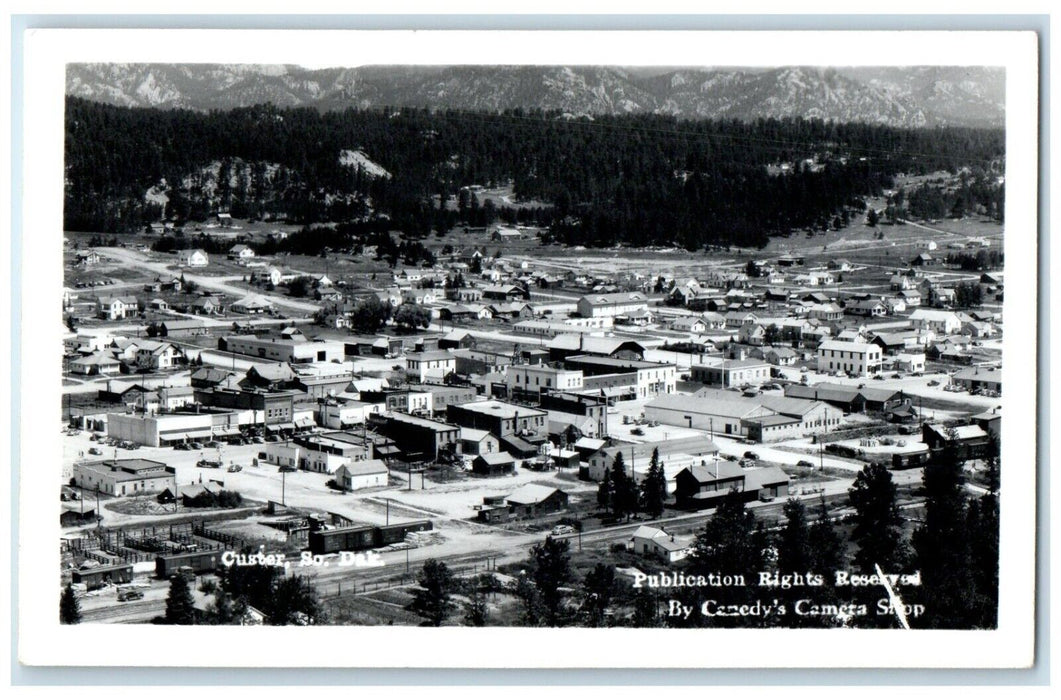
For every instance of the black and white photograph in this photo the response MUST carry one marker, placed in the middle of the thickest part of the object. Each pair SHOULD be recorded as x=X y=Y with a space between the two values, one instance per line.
x=683 y=347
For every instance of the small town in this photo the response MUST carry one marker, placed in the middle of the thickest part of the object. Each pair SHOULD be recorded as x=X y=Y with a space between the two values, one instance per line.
x=267 y=422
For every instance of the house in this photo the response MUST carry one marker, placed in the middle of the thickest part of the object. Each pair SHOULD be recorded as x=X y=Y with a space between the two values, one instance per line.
x=207 y=305
x=240 y=252
x=116 y=308
x=156 y=355
x=910 y=362
x=534 y=500
x=252 y=304
x=870 y=308
x=195 y=257
x=656 y=542
x=707 y=484
x=563 y=346
x=924 y=260
x=365 y=474
x=494 y=464
x=433 y=364
x=457 y=339
x=752 y=334
x=475 y=442
x=97 y=363
x=942 y=322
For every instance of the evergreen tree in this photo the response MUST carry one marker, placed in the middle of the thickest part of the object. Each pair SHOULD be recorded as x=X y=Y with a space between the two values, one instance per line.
x=793 y=551
x=180 y=607
x=878 y=525
x=646 y=612
x=476 y=611
x=604 y=490
x=550 y=571
x=941 y=546
x=825 y=544
x=731 y=544
x=69 y=607
x=599 y=588
x=433 y=599
x=294 y=601
x=624 y=489
x=654 y=487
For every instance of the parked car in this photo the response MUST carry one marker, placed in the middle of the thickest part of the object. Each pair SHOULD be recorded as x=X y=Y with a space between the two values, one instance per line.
x=235 y=468
x=750 y=455
x=563 y=530
x=804 y=463
x=95 y=451
x=933 y=382
x=127 y=594
x=637 y=431
x=197 y=445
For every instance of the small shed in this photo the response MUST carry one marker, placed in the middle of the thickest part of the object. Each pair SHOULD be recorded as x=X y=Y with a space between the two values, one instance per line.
x=496 y=464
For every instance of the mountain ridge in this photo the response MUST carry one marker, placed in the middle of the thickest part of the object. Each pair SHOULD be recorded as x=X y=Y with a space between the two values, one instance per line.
x=925 y=96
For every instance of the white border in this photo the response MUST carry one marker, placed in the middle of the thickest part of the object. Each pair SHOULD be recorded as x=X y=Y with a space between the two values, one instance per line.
x=44 y=641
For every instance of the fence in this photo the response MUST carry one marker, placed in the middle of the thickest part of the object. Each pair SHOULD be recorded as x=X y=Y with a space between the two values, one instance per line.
x=337 y=589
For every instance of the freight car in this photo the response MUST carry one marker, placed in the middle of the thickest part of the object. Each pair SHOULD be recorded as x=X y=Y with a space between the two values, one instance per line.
x=361 y=537
x=96 y=576
x=167 y=565
x=392 y=534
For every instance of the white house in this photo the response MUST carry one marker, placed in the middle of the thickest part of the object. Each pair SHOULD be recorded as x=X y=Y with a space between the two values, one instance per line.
x=433 y=364
x=365 y=474
x=240 y=252
x=115 y=308
x=156 y=355
x=196 y=257
x=942 y=322
x=657 y=542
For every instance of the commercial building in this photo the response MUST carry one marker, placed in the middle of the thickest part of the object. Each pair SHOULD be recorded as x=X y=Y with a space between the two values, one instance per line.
x=531 y=381
x=420 y=439
x=732 y=373
x=595 y=305
x=978 y=378
x=853 y=358
x=162 y=430
x=674 y=454
x=125 y=477
x=502 y=419
x=650 y=378
x=284 y=349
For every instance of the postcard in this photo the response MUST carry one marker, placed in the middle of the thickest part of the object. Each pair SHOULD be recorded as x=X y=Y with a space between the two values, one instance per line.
x=460 y=349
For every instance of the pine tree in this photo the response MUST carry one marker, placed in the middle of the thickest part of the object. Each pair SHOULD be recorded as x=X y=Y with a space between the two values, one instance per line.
x=941 y=546
x=69 y=607
x=825 y=545
x=433 y=599
x=180 y=607
x=793 y=550
x=476 y=611
x=550 y=571
x=599 y=589
x=730 y=544
x=624 y=490
x=878 y=525
x=604 y=491
x=654 y=487
x=646 y=613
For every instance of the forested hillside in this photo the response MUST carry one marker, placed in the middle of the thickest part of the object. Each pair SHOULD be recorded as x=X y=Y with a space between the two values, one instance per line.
x=639 y=179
